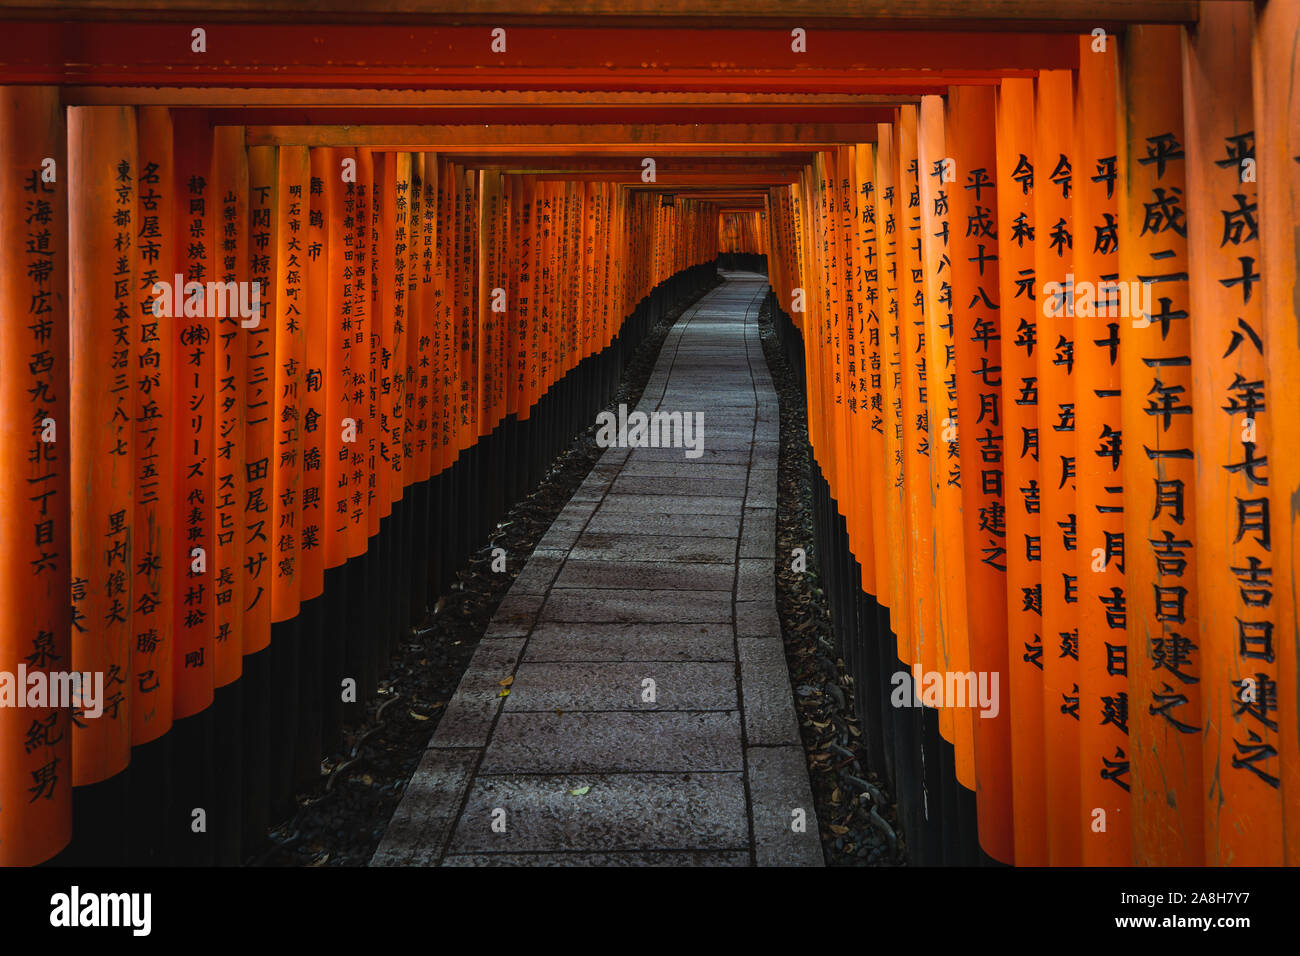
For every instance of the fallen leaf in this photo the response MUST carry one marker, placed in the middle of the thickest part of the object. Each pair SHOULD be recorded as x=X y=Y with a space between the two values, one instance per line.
x=580 y=791
x=417 y=716
x=507 y=682
x=504 y=693
x=838 y=830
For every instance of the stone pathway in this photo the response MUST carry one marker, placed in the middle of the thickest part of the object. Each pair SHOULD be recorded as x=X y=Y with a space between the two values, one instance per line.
x=649 y=721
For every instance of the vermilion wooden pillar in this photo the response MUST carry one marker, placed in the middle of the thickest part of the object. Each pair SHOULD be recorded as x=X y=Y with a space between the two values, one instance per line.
x=257 y=520
x=1275 y=52
x=1016 y=181
x=977 y=332
x=1057 y=545
x=916 y=440
x=159 y=554
x=230 y=264
x=1166 y=662
x=888 y=243
x=951 y=633
x=192 y=422
x=102 y=221
x=1099 y=451
x=1234 y=418
x=35 y=544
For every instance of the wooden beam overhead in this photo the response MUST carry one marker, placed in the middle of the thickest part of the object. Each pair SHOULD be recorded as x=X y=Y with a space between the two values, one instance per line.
x=491 y=115
x=589 y=100
x=743 y=58
x=678 y=182
x=592 y=139
x=992 y=13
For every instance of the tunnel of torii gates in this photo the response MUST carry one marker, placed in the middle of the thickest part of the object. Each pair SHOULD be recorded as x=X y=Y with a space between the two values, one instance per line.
x=1036 y=264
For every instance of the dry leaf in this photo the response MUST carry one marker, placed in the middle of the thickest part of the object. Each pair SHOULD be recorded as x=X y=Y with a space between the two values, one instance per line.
x=838 y=830
x=417 y=716
x=504 y=693
x=507 y=682
x=580 y=791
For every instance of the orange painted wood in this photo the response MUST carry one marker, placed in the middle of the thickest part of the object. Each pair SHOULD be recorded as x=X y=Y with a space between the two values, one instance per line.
x=1099 y=449
x=977 y=332
x=420 y=293
x=36 y=553
x=393 y=296
x=356 y=341
x=528 y=284
x=159 y=554
x=448 y=361
x=864 y=369
x=414 y=467
x=193 y=430
x=1162 y=763
x=229 y=216
x=469 y=341
x=259 y=409
x=316 y=430
x=1275 y=50
x=1057 y=403
x=889 y=242
x=383 y=339
x=369 y=423
x=1014 y=116
x=916 y=383
x=336 y=403
x=291 y=212
x=1233 y=423
x=952 y=651
x=102 y=220
x=516 y=324
x=488 y=280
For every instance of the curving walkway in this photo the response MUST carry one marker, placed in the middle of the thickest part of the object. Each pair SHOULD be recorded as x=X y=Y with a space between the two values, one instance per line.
x=649 y=721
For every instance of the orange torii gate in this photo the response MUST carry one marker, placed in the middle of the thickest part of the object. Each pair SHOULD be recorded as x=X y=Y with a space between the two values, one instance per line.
x=1132 y=249
x=1040 y=287
x=279 y=442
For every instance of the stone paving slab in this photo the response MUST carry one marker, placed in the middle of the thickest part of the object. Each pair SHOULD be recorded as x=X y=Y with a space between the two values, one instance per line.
x=572 y=687
x=630 y=702
x=632 y=642
x=765 y=687
x=672 y=811
x=690 y=468
x=424 y=819
x=665 y=741
x=648 y=547
x=778 y=788
x=724 y=456
x=662 y=523
x=678 y=575
x=613 y=604
x=685 y=505
x=758 y=533
x=637 y=485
